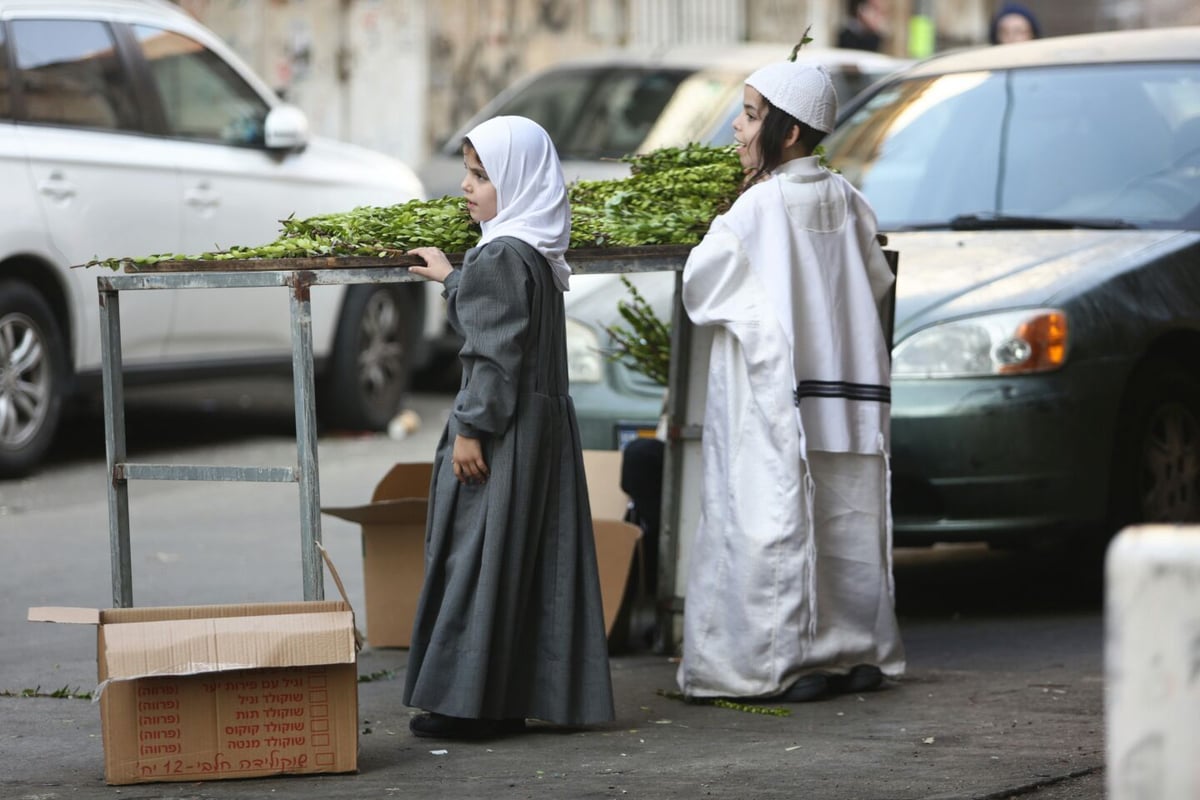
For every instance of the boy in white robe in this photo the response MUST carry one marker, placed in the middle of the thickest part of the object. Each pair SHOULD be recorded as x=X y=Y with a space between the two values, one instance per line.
x=789 y=592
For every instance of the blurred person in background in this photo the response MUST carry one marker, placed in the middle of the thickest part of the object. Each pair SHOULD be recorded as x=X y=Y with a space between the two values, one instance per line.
x=865 y=26
x=1013 y=23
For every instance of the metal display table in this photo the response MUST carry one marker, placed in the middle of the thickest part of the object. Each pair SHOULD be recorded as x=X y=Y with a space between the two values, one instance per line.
x=297 y=276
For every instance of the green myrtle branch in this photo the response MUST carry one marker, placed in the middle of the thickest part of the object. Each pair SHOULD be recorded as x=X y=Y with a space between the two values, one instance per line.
x=644 y=342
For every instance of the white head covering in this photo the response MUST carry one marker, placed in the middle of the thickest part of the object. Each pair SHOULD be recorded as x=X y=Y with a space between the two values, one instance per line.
x=531 y=195
x=803 y=90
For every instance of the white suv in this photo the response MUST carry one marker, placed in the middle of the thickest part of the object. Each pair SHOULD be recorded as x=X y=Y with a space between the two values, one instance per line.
x=126 y=128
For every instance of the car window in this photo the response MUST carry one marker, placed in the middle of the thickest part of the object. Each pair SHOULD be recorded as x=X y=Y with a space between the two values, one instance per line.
x=848 y=81
x=940 y=158
x=5 y=88
x=202 y=96
x=622 y=109
x=1104 y=142
x=594 y=113
x=69 y=73
x=694 y=111
x=553 y=101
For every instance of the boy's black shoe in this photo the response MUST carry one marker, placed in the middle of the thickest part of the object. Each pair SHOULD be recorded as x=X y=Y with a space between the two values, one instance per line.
x=806 y=689
x=861 y=678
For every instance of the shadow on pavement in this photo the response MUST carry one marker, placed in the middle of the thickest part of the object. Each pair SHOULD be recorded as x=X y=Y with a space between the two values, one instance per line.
x=161 y=418
x=166 y=418
x=971 y=579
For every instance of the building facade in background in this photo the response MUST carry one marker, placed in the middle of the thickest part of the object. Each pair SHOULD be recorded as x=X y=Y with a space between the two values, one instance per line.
x=400 y=75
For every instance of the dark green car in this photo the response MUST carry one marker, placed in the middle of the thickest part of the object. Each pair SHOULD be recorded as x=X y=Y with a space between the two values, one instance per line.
x=1045 y=201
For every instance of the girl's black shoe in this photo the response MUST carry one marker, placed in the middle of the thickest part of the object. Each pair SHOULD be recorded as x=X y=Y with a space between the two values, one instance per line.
x=514 y=725
x=432 y=725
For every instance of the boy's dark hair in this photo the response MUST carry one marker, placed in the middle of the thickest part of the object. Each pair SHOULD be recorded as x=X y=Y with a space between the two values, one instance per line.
x=776 y=126
x=852 y=7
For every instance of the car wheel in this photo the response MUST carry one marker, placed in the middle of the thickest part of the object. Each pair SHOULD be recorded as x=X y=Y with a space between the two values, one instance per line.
x=371 y=360
x=32 y=378
x=1156 y=475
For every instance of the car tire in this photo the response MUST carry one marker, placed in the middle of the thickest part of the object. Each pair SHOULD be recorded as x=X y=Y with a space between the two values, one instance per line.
x=1156 y=471
x=371 y=362
x=33 y=378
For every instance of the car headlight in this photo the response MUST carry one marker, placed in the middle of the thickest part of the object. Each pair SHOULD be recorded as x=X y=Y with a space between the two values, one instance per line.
x=1006 y=343
x=584 y=362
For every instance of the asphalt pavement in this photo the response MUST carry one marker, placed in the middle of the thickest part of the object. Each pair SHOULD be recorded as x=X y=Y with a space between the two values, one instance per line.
x=1003 y=696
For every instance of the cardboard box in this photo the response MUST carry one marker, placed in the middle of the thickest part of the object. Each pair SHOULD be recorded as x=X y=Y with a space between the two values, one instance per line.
x=617 y=542
x=603 y=469
x=393 y=543
x=393 y=537
x=196 y=693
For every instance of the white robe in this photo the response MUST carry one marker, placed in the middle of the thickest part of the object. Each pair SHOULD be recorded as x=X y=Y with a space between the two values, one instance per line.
x=790 y=570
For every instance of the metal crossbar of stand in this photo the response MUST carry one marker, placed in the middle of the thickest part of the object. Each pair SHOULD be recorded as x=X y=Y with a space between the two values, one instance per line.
x=298 y=276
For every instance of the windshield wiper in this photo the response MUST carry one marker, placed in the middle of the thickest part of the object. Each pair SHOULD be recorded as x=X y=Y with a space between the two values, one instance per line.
x=988 y=221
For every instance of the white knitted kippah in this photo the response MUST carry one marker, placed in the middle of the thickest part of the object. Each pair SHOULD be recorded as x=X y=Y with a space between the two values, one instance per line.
x=803 y=90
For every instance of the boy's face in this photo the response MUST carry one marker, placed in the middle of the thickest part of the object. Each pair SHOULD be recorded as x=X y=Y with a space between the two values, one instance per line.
x=747 y=126
x=478 y=188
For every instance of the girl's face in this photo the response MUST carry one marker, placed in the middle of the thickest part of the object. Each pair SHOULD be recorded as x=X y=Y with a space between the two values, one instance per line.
x=478 y=188
x=748 y=125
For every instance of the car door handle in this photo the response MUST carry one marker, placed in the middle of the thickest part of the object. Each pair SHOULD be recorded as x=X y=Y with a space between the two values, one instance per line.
x=57 y=187
x=202 y=196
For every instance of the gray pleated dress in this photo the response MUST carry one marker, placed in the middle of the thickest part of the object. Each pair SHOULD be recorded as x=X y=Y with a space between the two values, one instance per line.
x=509 y=622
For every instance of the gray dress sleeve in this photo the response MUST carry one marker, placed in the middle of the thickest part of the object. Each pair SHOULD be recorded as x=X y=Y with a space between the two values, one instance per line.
x=450 y=284
x=489 y=305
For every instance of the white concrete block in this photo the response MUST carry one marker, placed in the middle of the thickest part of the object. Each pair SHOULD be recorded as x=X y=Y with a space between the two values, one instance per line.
x=1152 y=663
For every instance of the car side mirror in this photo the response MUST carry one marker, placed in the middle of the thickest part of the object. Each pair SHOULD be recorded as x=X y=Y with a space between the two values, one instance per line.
x=286 y=128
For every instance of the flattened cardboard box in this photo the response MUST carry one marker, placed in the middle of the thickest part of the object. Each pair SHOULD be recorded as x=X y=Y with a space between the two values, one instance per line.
x=393 y=534
x=195 y=693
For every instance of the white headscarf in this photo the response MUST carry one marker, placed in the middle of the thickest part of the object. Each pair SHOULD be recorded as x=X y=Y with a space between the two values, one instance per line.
x=531 y=195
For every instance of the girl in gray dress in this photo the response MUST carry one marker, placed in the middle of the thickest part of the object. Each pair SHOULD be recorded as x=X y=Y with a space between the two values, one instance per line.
x=509 y=624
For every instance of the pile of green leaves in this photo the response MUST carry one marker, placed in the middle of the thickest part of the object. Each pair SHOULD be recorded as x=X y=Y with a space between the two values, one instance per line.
x=380 y=231
x=375 y=230
x=670 y=198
